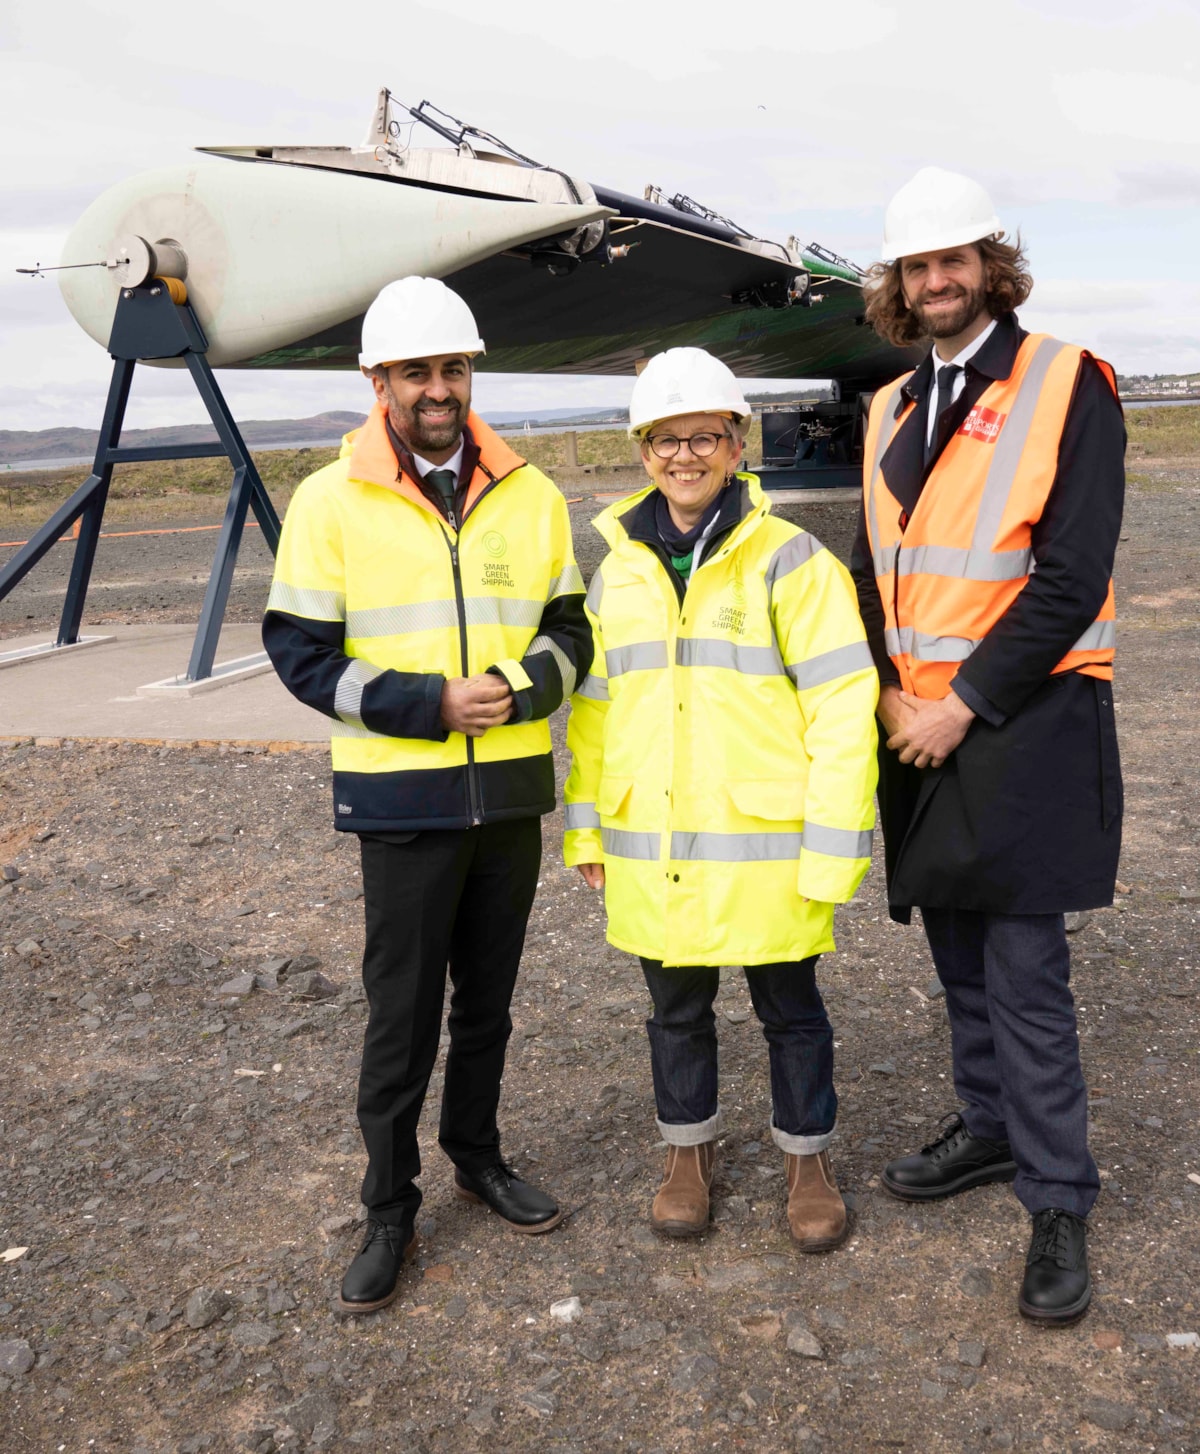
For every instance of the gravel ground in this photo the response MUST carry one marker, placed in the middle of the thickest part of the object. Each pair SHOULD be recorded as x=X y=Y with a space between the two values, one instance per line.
x=179 y=937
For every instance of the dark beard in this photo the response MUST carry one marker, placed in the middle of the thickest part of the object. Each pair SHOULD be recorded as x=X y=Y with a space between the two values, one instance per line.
x=949 y=325
x=417 y=436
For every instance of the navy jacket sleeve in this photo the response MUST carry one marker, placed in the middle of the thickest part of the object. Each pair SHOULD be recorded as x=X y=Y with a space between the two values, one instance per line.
x=1074 y=543
x=308 y=656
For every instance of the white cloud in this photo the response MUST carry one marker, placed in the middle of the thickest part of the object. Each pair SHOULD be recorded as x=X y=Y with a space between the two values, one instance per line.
x=1066 y=110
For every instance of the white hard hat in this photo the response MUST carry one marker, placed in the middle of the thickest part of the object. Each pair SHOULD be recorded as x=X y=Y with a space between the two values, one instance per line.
x=937 y=209
x=685 y=381
x=416 y=318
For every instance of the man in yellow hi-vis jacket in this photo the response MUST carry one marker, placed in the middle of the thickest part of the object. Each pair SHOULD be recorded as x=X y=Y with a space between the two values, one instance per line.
x=723 y=762
x=426 y=598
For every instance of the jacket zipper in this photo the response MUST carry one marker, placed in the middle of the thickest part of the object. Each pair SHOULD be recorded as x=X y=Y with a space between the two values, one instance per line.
x=473 y=792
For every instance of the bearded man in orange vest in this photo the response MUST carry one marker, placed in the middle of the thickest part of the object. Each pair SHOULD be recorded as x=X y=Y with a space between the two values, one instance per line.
x=993 y=489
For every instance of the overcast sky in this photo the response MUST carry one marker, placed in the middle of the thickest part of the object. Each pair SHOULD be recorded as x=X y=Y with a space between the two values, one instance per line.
x=1083 y=120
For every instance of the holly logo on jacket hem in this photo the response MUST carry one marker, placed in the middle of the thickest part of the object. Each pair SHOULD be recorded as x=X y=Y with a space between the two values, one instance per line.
x=983 y=424
x=344 y=809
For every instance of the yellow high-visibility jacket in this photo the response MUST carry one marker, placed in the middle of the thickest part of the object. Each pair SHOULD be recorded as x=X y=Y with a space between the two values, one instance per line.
x=723 y=750
x=377 y=599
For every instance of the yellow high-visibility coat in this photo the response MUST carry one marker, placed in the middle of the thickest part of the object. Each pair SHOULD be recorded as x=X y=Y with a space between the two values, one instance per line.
x=377 y=600
x=723 y=751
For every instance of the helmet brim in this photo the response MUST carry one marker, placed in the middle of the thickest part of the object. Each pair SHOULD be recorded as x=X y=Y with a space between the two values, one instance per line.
x=940 y=241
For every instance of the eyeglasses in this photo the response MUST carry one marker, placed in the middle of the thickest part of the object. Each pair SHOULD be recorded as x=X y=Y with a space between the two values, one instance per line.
x=666 y=446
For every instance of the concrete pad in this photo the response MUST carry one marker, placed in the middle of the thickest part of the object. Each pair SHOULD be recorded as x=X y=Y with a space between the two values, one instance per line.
x=95 y=693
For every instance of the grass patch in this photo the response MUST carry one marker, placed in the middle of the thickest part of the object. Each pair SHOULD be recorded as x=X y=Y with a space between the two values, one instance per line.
x=1172 y=433
x=194 y=488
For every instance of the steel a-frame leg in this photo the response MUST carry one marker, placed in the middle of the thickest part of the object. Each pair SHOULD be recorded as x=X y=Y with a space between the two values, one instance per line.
x=247 y=492
x=87 y=506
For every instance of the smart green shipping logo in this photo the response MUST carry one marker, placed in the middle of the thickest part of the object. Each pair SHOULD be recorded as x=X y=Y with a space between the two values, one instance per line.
x=495 y=544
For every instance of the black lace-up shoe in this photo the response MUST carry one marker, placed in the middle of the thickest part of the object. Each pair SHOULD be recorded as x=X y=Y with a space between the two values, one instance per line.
x=521 y=1206
x=954 y=1162
x=372 y=1279
x=1057 y=1286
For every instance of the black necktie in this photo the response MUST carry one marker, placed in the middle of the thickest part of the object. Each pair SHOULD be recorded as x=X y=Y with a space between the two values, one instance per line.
x=945 y=394
x=442 y=482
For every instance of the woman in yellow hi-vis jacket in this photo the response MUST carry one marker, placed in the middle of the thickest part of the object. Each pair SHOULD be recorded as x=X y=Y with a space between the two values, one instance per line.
x=723 y=765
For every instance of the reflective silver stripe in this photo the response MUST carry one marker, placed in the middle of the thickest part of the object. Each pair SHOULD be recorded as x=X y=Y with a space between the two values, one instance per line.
x=594 y=688
x=348 y=729
x=734 y=847
x=1099 y=636
x=882 y=558
x=347 y=695
x=966 y=565
x=437 y=615
x=760 y=661
x=927 y=648
x=1010 y=445
x=595 y=592
x=790 y=556
x=299 y=601
x=639 y=656
x=566 y=667
x=569 y=582
x=580 y=815
x=400 y=620
x=815 y=671
x=837 y=842
x=620 y=843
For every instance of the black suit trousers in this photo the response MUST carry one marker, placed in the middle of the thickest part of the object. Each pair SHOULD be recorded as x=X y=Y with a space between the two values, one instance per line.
x=456 y=899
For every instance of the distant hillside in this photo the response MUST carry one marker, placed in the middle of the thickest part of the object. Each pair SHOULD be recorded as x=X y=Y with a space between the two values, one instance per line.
x=505 y=417
x=70 y=443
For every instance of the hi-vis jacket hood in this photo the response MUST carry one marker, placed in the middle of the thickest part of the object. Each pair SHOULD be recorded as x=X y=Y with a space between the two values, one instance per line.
x=723 y=751
x=377 y=600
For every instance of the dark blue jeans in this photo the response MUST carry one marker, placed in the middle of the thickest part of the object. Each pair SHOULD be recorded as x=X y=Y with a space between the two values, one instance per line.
x=683 y=1053
x=1015 y=1046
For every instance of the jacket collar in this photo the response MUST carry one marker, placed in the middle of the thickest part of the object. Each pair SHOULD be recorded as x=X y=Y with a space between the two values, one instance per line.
x=633 y=518
x=995 y=360
x=373 y=459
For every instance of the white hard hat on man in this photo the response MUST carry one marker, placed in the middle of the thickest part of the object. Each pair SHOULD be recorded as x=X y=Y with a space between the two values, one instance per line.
x=685 y=381
x=936 y=210
x=417 y=318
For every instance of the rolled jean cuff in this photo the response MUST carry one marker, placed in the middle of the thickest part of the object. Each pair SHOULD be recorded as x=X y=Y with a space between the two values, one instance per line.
x=699 y=1133
x=800 y=1145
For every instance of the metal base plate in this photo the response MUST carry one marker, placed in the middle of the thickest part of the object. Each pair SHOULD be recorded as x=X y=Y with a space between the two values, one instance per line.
x=237 y=670
x=49 y=648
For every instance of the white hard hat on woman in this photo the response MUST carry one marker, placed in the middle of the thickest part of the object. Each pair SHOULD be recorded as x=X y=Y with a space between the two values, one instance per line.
x=685 y=381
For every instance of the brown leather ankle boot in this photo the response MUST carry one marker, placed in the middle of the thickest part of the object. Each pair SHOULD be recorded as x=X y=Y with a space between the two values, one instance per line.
x=816 y=1213
x=681 y=1207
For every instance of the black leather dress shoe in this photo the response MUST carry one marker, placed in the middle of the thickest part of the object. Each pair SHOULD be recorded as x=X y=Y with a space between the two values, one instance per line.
x=372 y=1279
x=521 y=1206
x=1057 y=1286
x=955 y=1162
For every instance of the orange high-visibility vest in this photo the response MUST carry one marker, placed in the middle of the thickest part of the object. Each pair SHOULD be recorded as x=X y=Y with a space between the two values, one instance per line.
x=950 y=571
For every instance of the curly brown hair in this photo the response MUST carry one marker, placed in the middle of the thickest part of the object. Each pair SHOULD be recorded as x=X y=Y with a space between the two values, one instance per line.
x=1009 y=284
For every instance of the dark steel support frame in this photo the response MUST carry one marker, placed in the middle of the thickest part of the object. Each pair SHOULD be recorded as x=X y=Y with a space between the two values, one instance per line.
x=148 y=325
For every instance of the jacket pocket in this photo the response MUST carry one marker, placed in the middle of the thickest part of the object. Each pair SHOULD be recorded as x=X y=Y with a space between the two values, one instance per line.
x=612 y=795
x=781 y=802
x=1112 y=795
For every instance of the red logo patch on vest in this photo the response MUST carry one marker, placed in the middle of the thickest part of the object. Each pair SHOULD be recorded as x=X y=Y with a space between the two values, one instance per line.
x=983 y=424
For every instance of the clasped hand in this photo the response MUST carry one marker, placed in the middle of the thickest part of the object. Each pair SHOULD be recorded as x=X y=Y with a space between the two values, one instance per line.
x=473 y=704
x=923 y=731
